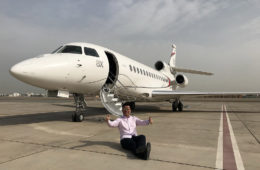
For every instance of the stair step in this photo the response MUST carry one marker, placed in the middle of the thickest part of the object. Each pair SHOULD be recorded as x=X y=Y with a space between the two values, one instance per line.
x=118 y=104
x=111 y=102
x=114 y=99
x=110 y=95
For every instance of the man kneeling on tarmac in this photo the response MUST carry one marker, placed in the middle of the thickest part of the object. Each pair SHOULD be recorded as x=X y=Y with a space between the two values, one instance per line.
x=128 y=134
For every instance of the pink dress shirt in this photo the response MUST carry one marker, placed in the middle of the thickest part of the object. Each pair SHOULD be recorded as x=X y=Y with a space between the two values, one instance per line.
x=127 y=126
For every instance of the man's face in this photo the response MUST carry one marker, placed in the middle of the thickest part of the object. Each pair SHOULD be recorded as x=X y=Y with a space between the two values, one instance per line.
x=126 y=111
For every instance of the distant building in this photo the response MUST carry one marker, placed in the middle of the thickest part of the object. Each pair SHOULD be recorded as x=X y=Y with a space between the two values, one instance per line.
x=15 y=94
x=29 y=94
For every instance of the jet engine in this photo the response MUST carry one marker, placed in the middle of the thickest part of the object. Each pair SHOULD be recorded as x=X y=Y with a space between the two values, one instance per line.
x=162 y=66
x=181 y=80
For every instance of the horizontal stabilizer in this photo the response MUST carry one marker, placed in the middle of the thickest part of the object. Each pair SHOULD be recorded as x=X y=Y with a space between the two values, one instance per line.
x=183 y=70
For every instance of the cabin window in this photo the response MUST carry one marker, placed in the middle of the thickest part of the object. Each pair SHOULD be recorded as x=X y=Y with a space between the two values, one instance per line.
x=144 y=72
x=134 y=69
x=130 y=67
x=141 y=71
x=137 y=70
x=147 y=73
x=71 y=49
x=91 y=52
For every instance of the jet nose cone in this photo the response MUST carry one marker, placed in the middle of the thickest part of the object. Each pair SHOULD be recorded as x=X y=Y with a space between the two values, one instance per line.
x=16 y=70
x=22 y=70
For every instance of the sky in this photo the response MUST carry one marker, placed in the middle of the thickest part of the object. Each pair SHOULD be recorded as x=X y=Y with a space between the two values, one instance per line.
x=219 y=36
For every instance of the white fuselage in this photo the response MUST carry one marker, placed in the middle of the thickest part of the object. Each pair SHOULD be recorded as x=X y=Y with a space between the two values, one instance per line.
x=86 y=73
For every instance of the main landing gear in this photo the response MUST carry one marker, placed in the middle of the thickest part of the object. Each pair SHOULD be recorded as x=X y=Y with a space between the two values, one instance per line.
x=78 y=115
x=177 y=104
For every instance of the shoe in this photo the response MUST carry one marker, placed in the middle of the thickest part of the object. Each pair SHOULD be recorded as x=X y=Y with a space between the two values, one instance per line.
x=141 y=149
x=148 y=150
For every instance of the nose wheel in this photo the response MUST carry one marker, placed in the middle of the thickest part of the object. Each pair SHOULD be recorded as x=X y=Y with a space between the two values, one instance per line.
x=177 y=105
x=78 y=115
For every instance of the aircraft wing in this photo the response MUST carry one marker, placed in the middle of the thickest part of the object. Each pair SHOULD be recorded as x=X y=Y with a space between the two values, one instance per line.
x=177 y=94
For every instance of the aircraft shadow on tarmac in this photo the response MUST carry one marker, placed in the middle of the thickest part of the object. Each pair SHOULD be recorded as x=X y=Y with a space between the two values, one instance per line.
x=64 y=105
x=93 y=111
x=35 y=118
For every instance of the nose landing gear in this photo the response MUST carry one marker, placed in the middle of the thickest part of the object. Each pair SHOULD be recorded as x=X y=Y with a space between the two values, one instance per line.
x=78 y=115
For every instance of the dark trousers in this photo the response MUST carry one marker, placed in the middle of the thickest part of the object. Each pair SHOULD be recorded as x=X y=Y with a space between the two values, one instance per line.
x=137 y=144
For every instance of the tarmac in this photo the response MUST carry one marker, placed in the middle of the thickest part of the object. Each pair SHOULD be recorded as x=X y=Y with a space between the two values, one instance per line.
x=37 y=133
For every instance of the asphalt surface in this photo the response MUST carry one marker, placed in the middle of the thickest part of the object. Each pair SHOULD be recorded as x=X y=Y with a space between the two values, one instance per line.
x=37 y=133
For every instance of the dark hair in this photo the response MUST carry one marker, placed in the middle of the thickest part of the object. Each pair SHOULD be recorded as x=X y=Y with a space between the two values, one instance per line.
x=125 y=104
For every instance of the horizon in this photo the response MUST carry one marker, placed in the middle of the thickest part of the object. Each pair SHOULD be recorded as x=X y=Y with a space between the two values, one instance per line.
x=214 y=36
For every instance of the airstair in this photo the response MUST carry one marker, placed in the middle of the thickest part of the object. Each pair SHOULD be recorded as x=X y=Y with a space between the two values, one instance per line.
x=109 y=97
x=110 y=101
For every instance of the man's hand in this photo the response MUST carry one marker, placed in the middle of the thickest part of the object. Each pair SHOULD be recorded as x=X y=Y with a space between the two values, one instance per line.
x=150 y=120
x=107 y=118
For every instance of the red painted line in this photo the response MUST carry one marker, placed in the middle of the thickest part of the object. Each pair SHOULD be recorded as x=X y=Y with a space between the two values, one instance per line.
x=229 y=162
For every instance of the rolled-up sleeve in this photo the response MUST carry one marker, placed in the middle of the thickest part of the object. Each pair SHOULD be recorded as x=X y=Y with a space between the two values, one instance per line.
x=140 y=122
x=114 y=123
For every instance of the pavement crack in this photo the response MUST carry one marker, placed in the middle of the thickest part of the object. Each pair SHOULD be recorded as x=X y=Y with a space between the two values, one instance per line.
x=254 y=136
x=182 y=163
x=23 y=156
x=245 y=125
x=92 y=151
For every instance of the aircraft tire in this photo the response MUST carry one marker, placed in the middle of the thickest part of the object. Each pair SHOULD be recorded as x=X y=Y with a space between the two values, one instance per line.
x=180 y=107
x=174 y=107
x=79 y=117
x=132 y=105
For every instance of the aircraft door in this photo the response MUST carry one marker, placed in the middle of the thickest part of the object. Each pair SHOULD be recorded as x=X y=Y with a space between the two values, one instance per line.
x=113 y=70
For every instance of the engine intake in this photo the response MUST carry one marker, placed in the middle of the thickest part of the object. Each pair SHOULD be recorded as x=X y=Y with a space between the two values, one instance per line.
x=159 y=65
x=181 y=80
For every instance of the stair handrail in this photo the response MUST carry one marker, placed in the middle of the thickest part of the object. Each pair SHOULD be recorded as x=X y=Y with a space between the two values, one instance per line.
x=118 y=87
x=117 y=80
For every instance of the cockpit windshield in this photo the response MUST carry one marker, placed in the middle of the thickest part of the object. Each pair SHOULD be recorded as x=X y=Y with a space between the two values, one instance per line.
x=56 y=50
x=71 y=49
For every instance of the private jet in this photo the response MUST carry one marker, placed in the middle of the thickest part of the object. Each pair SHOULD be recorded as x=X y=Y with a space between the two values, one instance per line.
x=88 y=69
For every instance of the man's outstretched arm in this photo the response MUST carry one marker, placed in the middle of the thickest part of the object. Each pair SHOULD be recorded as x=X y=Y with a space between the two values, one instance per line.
x=140 y=122
x=110 y=123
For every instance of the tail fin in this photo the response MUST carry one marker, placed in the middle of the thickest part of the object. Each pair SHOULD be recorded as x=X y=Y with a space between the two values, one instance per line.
x=174 y=70
x=173 y=56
